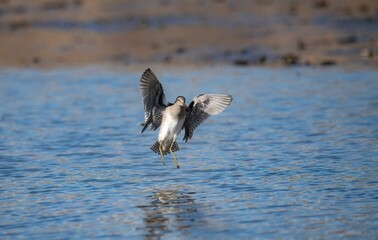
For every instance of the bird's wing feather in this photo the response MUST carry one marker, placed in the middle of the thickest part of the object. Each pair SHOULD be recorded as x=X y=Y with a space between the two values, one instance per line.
x=201 y=108
x=153 y=99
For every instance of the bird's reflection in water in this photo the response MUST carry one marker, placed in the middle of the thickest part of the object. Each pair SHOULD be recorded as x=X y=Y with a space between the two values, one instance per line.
x=170 y=211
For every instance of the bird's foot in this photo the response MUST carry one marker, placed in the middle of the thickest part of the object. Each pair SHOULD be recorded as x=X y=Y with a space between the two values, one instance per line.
x=162 y=155
x=174 y=157
x=176 y=163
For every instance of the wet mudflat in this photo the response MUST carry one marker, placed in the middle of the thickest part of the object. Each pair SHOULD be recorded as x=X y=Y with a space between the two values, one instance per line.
x=294 y=156
x=43 y=33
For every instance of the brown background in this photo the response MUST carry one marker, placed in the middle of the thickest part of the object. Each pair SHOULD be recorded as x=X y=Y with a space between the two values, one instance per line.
x=63 y=33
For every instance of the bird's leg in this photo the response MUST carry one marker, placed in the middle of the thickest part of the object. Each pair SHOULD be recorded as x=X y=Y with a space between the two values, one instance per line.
x=161 y=153
x=174 y=157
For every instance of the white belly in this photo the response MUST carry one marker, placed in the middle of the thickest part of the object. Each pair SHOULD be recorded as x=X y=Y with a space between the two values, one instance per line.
x=169 y=130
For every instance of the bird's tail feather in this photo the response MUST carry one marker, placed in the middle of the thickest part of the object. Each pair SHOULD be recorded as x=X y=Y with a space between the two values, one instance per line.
x=155 y=148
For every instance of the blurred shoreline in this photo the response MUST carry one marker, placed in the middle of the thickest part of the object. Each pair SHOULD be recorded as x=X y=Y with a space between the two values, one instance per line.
x=71 y=33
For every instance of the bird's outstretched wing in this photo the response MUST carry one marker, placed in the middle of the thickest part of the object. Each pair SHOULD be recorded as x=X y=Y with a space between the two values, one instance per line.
x=153 y=99
x=201 y=108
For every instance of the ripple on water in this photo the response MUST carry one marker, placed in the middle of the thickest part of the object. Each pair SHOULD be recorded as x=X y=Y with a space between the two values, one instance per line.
x=293 y=157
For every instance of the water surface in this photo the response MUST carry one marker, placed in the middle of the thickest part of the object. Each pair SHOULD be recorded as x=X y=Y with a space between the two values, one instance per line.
x=295 y=156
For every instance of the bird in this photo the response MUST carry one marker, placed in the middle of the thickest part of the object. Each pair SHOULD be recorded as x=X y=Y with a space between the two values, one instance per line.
x=173 y=117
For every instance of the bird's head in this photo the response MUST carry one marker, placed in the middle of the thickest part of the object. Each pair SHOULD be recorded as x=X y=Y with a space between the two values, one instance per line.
x=180 y=100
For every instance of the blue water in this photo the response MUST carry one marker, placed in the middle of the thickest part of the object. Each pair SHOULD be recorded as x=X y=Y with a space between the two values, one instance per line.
x=294 y=156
